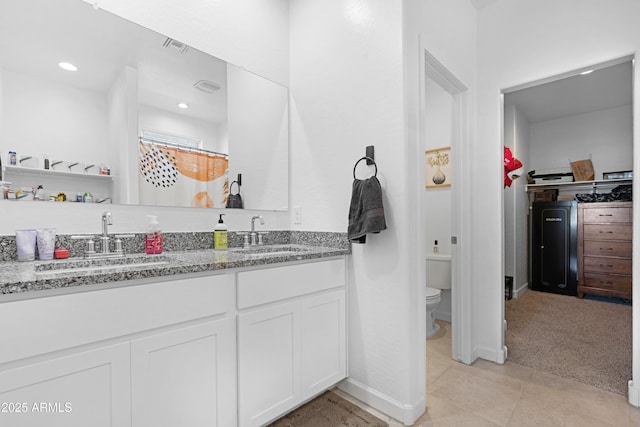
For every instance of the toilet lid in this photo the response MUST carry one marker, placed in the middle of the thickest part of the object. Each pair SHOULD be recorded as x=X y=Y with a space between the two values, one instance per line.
x=432 y=292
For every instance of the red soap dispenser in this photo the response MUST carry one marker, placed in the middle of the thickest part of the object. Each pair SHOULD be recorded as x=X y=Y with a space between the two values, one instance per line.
x=153 y=239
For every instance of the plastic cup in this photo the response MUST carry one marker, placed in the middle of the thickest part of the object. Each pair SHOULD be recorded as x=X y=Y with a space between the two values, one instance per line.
x=26 y=244
x=46 y=238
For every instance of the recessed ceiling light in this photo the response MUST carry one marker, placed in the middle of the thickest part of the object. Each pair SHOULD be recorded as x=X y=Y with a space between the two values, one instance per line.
x=183 y=105
x=67 y=66
x=584 y=73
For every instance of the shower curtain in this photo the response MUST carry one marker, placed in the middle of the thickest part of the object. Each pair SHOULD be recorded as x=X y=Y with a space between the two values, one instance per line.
x=174 y=176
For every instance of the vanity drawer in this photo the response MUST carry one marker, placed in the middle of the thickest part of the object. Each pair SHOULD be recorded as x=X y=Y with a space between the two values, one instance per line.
x=608 y=231
x=607 y=265
x=269 y=285
x=609 y=214
x=608 y=281
x=607 y=248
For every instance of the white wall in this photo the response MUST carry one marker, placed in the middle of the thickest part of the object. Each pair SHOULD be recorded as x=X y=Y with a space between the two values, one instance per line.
x=605 y=135
x=39 y=114
x=353 y=86
x=155 y=119
x=252 y=34
x=258 y=126
x=249 y=33
x=346 y=88
x=521 y=41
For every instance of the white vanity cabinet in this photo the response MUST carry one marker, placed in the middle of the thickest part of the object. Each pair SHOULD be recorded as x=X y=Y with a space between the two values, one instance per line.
x=239 y=348
x=156 y=354
x=184 y=377
x=86 y=388
x=291 y=337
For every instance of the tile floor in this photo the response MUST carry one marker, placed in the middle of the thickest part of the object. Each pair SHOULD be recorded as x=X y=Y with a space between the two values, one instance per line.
x=510 y=395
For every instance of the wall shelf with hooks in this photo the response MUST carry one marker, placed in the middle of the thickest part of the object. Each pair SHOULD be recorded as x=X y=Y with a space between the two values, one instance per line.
x=44 y=173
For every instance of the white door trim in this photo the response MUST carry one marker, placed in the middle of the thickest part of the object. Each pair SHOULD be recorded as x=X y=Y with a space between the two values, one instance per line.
x=461 y=291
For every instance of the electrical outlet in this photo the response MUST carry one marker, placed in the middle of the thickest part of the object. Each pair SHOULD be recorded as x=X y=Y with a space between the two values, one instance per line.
x=297 y=215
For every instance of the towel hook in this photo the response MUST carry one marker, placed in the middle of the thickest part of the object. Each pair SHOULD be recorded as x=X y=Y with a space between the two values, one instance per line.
x=369 y=159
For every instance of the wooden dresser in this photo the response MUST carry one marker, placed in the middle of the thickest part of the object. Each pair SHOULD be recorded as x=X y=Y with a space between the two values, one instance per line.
x=604 y=249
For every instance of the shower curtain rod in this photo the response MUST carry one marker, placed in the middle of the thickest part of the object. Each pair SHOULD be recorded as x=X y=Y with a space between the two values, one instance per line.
x=172 y=145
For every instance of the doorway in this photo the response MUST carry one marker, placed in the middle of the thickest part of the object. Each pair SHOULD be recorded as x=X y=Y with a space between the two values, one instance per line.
x=444 y=125
x=584 y=114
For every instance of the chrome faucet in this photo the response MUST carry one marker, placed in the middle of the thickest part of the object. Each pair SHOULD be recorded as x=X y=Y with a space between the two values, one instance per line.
x=104 y=240
x=253 y=235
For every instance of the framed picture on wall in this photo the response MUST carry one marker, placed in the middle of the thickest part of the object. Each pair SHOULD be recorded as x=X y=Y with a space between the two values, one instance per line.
x=438 y=167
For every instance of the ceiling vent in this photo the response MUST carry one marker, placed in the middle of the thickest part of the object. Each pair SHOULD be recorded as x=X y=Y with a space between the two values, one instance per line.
x=170 y=43
x=206 y=86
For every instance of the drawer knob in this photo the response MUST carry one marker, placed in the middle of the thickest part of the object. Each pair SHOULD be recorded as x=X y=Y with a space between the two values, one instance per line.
x=606 y=232
x=606 y=215
x=606 y=265
x=606 y=249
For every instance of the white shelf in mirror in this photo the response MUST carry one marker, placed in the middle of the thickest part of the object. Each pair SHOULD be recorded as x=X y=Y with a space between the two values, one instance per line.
x=20 y=170
x=577 y=185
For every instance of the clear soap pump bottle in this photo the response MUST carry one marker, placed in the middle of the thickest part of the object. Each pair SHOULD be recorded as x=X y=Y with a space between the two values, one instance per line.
x=153 y=239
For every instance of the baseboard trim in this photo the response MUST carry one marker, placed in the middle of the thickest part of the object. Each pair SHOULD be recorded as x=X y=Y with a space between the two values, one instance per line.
x=521 y=290
x=634 y=394
x=407 y=414
x=496 y=356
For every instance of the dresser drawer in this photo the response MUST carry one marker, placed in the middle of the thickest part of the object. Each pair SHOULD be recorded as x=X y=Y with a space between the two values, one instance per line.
x=608 y=281
x=606 y=248
x=600 y=215
x=608 y=231
x=607 y=265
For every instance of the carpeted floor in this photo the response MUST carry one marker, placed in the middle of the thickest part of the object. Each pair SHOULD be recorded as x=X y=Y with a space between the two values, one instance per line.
x=329 y=410
x=587 y=341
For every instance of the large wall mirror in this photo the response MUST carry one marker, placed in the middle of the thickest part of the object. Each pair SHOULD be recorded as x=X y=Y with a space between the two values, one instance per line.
x=144 y=119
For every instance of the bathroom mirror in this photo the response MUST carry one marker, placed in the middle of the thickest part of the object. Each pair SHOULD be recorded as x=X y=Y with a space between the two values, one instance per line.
x=115 y=126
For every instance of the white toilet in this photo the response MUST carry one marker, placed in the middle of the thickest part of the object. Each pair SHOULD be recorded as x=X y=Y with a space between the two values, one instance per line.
x=438 y=278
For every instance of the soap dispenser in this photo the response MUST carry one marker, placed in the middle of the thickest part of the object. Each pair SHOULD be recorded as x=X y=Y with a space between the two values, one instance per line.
x=153 y=238
x=220 y=235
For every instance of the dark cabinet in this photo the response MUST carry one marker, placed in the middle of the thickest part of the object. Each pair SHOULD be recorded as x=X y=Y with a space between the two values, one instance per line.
x=554 y=254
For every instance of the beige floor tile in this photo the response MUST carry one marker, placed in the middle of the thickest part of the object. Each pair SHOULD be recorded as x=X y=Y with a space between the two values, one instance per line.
x=634 y=416
x=519 y=372
x=589 y=401
x=537 y=412
x=510 y=395
x=434 y=370
x=600 y=404
x=443 y=413
x=494 y=399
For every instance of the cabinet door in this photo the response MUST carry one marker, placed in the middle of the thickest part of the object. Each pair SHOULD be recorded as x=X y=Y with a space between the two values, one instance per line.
x=185 y=377
x=268 y=363
x=323 y=342
x=90 y=388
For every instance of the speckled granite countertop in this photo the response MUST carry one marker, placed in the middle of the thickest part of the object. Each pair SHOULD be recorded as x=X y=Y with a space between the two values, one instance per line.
x=16 y=277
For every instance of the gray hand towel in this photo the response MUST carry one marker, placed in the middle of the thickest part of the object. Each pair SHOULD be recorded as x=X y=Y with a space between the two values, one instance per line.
x=366 y=213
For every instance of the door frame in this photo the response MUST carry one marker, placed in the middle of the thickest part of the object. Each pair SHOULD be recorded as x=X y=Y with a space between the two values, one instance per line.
x=461 y=153
x=633 y=394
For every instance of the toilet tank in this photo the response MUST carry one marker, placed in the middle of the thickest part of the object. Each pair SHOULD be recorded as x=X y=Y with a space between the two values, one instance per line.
x=439 y=271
